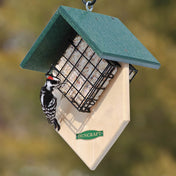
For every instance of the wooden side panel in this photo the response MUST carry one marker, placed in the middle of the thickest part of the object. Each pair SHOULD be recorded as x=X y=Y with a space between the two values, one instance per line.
x=110 y=115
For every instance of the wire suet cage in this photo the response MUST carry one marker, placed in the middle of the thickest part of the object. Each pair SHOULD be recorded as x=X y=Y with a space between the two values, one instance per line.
x=84 y=74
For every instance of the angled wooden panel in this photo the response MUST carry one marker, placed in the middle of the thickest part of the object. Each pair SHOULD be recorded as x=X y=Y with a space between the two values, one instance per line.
x=110 y=115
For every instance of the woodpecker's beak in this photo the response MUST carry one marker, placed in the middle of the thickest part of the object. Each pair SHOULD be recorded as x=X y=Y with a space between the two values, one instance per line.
x=57 y=80
x=53 y=79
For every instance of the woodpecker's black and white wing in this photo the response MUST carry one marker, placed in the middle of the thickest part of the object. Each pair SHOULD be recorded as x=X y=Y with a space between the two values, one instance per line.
x=49 y=104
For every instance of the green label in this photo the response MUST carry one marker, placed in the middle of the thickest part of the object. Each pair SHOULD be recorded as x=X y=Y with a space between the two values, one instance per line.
x=90 y=134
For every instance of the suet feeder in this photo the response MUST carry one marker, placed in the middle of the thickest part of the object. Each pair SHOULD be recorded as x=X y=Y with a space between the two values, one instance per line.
x=92 y=54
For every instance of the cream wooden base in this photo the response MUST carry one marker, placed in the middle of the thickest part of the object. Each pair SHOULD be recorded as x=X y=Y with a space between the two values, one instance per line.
x=111 y=114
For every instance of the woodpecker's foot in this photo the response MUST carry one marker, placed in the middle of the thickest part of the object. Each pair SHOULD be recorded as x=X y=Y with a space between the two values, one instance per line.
x=56 y=124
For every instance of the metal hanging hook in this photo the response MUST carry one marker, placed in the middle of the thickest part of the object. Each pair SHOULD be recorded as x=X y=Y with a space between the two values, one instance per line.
x=89 y=8
x=89 y=4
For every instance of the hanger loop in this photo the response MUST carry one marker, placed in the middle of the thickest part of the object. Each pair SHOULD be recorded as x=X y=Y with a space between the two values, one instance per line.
x=91 y=3
x=89 y=7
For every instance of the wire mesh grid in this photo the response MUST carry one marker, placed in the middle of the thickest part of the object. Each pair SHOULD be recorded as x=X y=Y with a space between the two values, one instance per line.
x=84 y=74
x=132 y=72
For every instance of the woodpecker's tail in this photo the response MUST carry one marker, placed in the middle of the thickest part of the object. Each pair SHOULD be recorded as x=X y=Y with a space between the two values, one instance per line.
x=56 y=124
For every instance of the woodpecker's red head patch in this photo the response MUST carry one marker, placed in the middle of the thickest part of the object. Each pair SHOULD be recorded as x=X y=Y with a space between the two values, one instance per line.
x=50 y=77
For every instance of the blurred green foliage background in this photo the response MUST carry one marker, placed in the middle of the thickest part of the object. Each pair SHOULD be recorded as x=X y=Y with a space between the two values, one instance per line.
x=29 y=146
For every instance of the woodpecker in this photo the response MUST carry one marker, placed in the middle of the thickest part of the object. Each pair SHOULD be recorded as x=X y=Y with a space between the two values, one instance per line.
x=49 y=101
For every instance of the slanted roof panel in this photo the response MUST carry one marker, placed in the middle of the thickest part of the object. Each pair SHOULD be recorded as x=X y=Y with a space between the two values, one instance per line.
x=49 y=46
x=108 y=37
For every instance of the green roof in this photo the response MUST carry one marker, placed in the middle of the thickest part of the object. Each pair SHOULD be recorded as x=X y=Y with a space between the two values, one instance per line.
x=106 y=35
